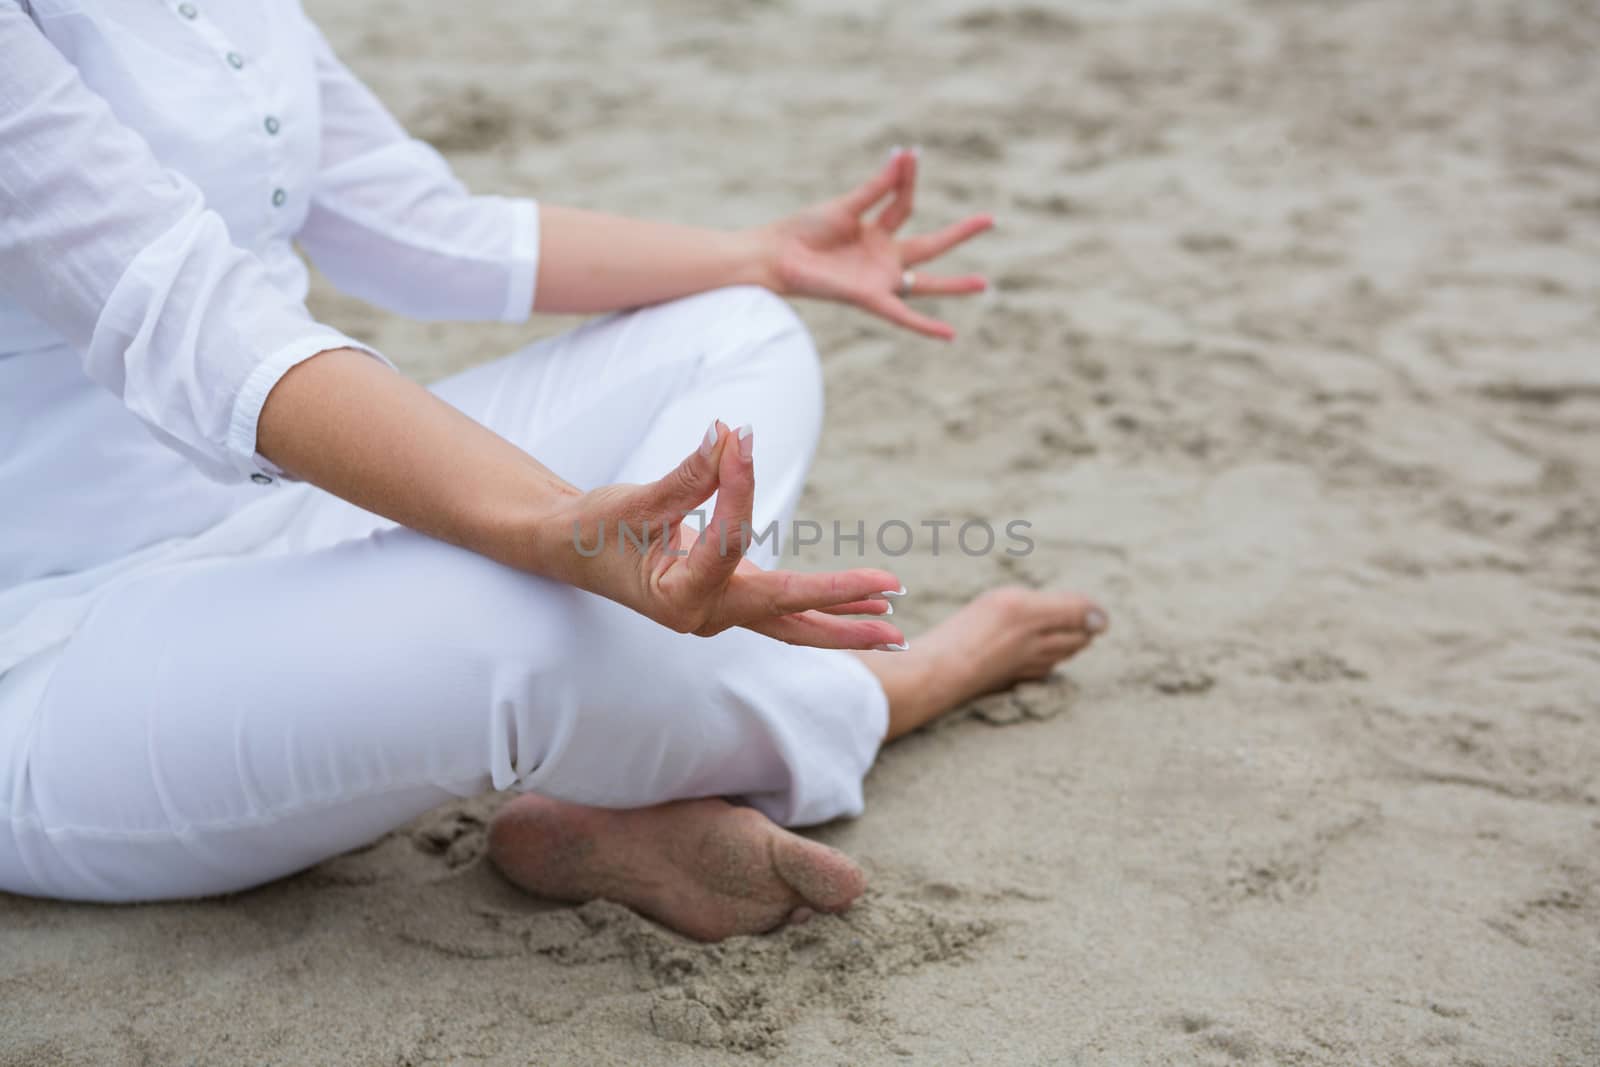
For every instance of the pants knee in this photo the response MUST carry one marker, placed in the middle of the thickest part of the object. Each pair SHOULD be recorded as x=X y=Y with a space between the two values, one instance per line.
x=762 y=336
x=748 y=322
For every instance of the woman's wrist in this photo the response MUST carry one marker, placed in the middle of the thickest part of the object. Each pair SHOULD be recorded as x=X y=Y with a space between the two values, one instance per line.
x=536 y=534
x=757 y=255
x=567 y=538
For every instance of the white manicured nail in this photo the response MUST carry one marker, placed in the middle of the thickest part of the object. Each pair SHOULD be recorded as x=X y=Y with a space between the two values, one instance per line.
x=887 y=593
x=903 y=646
x=746 y=433
x=710 y=443
x=888 y=608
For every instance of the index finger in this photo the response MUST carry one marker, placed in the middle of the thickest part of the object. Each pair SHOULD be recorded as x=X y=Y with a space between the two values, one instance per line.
x=894 y=216
x=716 y=553
x=875 y=188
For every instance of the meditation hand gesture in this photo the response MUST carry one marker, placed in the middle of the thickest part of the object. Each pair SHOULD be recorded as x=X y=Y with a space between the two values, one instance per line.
x=834 y=252
x=629 y=543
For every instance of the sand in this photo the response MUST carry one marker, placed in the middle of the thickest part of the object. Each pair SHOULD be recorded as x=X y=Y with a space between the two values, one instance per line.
x=1294 y=361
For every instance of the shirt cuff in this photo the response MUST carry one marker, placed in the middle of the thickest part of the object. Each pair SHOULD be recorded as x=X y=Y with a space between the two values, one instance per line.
x=252 y=398
x=523 y=280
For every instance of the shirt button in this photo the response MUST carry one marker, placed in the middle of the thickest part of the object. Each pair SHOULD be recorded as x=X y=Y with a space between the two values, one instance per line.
x=261 y=479
x=188 y=11
x=272 y=125
x=235 y=60
x=278 y=197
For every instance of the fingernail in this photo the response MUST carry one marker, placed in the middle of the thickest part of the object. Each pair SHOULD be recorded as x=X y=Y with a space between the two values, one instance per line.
x=747 y=442
x=895 y=151
x=889 y=609
x=1094 y=621
x=887 y=593
x=709 y=445
x=903 y=646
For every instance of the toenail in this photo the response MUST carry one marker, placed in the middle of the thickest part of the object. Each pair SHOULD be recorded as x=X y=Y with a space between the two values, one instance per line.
x=1094 y=621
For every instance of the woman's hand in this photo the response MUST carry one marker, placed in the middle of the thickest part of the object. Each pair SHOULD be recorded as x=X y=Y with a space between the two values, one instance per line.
x=702 y=584
x=834 y=252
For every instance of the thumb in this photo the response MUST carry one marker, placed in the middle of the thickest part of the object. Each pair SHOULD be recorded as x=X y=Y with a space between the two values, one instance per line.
x=691 y=482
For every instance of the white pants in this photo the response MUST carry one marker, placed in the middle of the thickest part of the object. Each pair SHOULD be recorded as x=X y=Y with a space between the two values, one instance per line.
x=221 y=723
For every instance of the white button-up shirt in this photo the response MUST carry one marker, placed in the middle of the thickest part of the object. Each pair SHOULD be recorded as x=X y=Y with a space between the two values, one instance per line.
x=157 y=159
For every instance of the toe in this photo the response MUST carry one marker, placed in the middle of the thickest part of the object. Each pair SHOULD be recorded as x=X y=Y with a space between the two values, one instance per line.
x=825 y=878
x=1075 y=612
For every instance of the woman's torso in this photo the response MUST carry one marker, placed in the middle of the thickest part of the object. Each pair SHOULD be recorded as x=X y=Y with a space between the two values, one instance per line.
x=225 y=95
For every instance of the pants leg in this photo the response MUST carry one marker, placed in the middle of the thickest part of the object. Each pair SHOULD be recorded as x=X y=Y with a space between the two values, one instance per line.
x=217 y=725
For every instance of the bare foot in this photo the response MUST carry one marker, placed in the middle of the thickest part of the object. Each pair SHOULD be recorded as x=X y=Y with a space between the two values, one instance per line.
x=1003 y=637
x=705 y=868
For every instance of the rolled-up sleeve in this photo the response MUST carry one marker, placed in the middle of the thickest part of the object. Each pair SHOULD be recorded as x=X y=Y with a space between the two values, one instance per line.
x=122 y=258
x=390 y=223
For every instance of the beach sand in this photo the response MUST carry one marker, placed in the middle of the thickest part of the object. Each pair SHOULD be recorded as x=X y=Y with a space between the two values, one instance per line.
x=1293 y=361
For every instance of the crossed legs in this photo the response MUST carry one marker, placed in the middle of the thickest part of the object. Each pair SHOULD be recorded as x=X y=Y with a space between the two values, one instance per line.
x=220 y=724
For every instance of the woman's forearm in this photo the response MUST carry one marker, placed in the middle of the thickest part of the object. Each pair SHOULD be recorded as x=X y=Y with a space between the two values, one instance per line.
x=346 y=423
x=591 y=262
